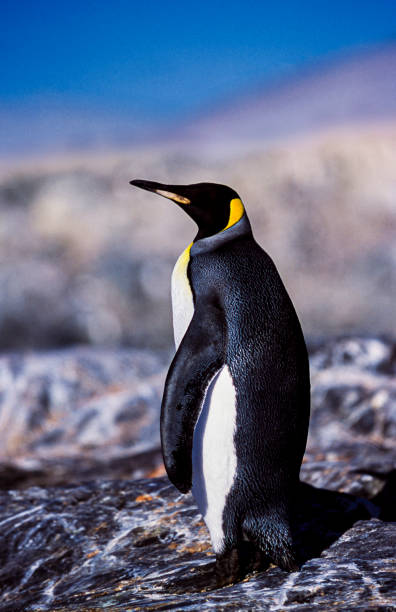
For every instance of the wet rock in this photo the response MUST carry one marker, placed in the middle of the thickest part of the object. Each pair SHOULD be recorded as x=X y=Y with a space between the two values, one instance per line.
x=373 y=354
x=87 y=415
x=142 y=545
x=353 y=397
x=78 y=414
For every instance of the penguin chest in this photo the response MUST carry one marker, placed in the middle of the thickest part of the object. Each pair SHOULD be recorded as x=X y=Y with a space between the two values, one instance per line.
x=214 y=456
x=182 y=297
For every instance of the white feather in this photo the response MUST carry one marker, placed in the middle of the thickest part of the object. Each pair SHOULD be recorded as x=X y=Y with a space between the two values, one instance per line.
x=182 y=297
x=214 y=456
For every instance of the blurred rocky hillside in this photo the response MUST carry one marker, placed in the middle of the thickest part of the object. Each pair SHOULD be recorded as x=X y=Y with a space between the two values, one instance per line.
x=85 y=258
x=352 y=88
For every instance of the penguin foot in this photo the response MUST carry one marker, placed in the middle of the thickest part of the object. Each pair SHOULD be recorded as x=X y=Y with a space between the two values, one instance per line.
x=236 y=564
x=228 y=568
x=200 y=579
x=232 y=566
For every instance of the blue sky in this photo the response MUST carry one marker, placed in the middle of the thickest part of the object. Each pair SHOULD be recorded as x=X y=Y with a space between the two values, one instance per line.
x=156 y=60
x=169 y=56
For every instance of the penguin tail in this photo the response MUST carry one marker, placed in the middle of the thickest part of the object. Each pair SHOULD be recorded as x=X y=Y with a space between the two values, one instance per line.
x=272 y=536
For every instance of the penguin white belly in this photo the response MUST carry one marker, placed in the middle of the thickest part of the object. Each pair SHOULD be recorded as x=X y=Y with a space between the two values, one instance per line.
x=214 y=456
x=182 y=297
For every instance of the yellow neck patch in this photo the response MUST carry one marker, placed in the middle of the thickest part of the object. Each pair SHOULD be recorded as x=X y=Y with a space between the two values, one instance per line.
x=184 y=258
x=236 y=212
x=182 y=297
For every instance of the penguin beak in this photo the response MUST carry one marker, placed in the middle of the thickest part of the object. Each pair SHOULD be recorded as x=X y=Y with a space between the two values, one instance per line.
x=163 y=190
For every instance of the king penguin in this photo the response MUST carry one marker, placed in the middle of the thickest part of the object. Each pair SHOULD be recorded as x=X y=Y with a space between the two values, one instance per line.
x=235 y=409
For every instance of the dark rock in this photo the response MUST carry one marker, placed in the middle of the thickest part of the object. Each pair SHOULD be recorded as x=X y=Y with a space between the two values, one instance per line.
x=373 y=354
x=353 y=397
x=87 y=415
x=67 y=416
x=62 y=470
x=78 y=414
x=142 y=545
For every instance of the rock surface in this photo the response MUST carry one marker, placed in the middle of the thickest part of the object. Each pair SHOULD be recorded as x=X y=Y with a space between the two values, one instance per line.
x=73 y=415
x=77 y=414
x=91 y=415
x=141 y=545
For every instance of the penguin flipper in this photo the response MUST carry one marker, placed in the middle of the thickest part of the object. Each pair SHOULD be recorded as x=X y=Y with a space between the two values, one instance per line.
x=199 y=357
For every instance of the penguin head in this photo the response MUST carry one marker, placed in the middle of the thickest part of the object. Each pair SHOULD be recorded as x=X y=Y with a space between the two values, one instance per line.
x=213 y=207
